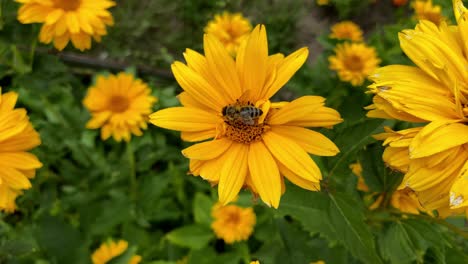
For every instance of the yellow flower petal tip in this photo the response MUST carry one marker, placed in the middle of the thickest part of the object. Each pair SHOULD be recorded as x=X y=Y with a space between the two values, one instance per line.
x=17 y=138
x=78 y=21
x=252 y=142
x=119 y=105
x=346 y=30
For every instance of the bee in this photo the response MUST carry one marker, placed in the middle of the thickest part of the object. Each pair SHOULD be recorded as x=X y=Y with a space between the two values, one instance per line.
x=246 y=114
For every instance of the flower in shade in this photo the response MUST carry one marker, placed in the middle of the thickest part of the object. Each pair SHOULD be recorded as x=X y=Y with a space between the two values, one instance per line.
x=254 y=262
x=354 y=62
x=119 y=105
x=425 y=10
x=65 y=20
x=255 y=142
x=404 y=200
x=17 y=138
x=434 y=94
x=347 y=30
x=232 y=223
x=322 y=2
x=230 y=29
x=111 y=249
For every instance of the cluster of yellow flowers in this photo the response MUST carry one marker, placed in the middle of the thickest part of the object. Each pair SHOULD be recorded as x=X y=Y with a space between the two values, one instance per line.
x=353 y=61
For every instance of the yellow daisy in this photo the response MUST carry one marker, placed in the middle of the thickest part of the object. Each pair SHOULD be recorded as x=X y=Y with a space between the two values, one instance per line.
x=255 y=141
x=425 y=10
x=65 y=20
x=354 y=62
x=346 y=30
x=229 y=29
x=119 y=105
x=434 y=157
x=232 y=223
x=111 y=249
x=17 y=165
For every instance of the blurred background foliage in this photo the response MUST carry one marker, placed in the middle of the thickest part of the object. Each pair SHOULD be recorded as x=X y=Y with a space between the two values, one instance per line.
x=89 y=190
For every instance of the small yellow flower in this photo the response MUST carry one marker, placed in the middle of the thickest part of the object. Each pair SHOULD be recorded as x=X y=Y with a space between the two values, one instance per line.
x=323 y=2
x=255 y=262
x=346 y=30
x=65 y=20
x=229 y=29
x=425 y=10
x=434 y=94
x=318 y=262
x=255 y=142
x=17 y=165
x=232 y=223
x=111 y=249
x=354 y=62
x=119 y=105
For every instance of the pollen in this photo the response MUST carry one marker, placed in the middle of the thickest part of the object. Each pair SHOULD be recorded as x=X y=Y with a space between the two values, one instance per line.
x=239 y=132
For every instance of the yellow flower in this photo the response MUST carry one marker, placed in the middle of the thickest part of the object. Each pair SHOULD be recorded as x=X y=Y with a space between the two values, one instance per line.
x=346 y=30
x=354 y=62
x=65 y=20
x=119 y=105
x=111 y=249
x=255 y=141
x=322 y=2
x=255 y=262
x=318 y=262
x=434 y=157
x=229 y=29
x=17 y=165
x=424 y=10
x=232 y=223
x=356 y=168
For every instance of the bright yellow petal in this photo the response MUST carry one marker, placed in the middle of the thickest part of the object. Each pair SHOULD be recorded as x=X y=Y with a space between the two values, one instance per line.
x=207 y=150
x=296 y=109
x=264 y=174
x=292 y=156
x=233 y=172
x=459 y=190
x=299 y=181
x=184 y=119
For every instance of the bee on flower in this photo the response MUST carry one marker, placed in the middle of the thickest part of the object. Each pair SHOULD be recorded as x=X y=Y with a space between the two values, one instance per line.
x=248 y=141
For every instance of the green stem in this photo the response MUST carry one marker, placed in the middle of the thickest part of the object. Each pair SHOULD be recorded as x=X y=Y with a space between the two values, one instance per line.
x=132 y=171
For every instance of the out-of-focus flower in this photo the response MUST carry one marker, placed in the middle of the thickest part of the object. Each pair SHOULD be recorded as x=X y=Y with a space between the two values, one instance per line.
x=425 y=10
x=119 y=105
x=255 y=262
x=232 y=223
x=318 y=262
x=255 y=141
x=230 y=30
x=399 y=2
x=404 y=200
x=347 y=30
x=434 y=157
x=111 y=249
x=354 y=62
x=322 y=2
x=17 y=138
x=65 y=20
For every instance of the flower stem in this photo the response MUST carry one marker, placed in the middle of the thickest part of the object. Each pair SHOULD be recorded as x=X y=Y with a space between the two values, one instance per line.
x=132 y=171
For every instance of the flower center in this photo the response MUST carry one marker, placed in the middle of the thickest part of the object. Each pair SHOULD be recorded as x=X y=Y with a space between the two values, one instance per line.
x=241 y=122
x=233 y=218
x=118 y=104
x=67 y=5
x=353 y=63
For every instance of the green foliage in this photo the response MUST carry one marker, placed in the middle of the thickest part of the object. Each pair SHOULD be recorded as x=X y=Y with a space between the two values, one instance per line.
x=90 y=190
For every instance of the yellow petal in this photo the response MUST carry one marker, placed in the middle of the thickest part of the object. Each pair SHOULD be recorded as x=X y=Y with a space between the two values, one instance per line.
x=299 y=181
x=264 y=174
x=296 y=109
x=437 y=137
x=311 y=141
x=14 y=178
x=207 y=150
x=459 y=190
x=184 y=119
x=198 y=135
x=19 y=160
x=292 y=156
x=198 y=87
x=255 y=62
x=233 y=172
x=222 y=67
x=286 y=69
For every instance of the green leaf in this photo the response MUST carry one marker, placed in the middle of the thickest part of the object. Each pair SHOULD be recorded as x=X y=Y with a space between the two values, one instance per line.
x=396 y=245
x=191 y=236
x=337 y=217
x=202 y=209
